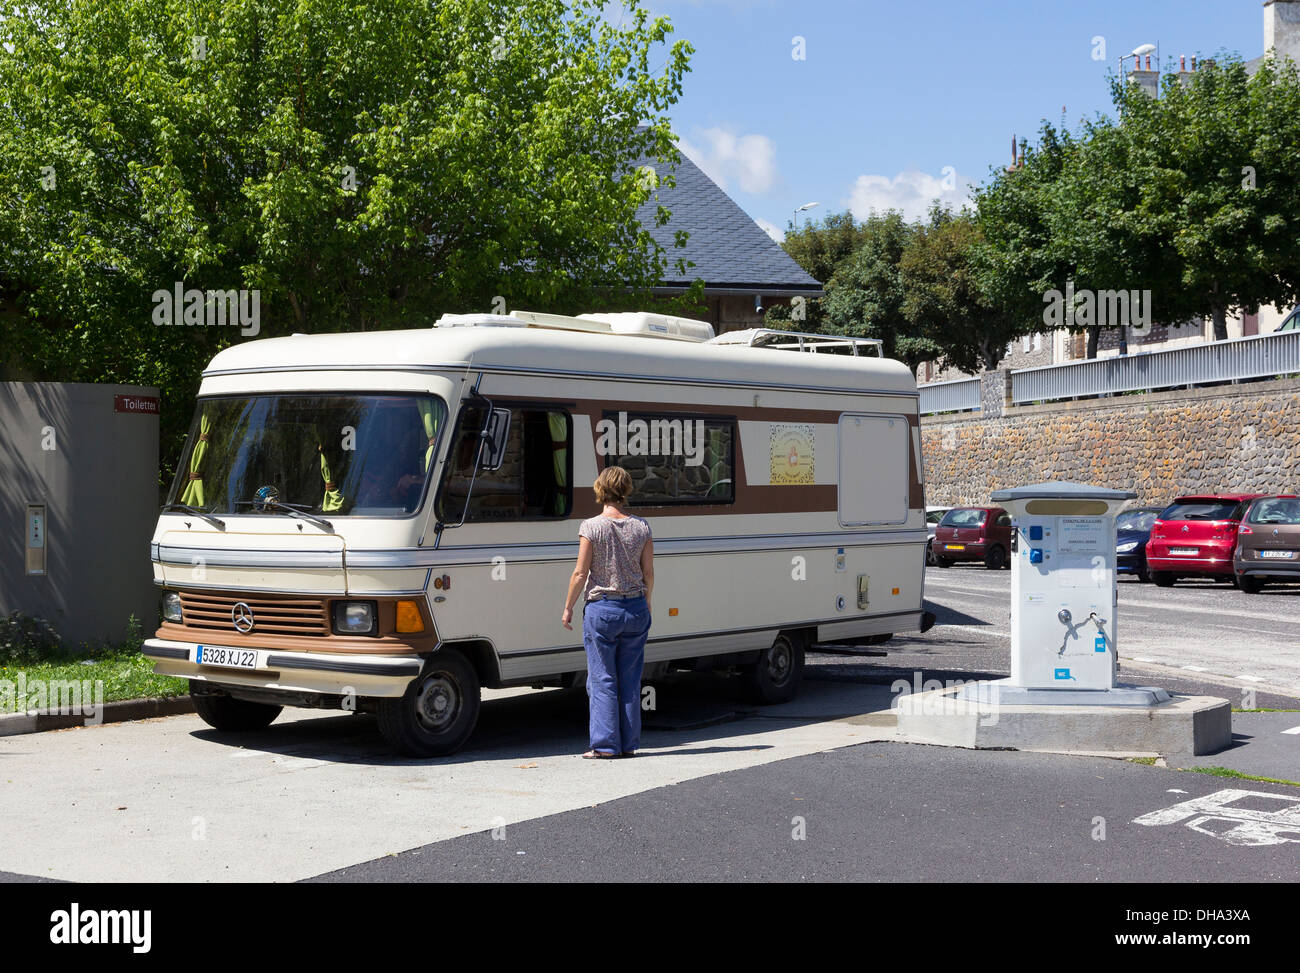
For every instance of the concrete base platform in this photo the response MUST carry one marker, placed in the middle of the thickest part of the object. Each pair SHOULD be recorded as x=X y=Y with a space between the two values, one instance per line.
x=1182 y=724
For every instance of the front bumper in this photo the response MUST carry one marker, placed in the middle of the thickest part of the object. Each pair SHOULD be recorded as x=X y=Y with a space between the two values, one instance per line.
x=304 y=672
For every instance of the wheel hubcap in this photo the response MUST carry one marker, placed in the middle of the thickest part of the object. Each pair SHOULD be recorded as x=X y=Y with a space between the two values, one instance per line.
x=437 y=702
x=778 y=663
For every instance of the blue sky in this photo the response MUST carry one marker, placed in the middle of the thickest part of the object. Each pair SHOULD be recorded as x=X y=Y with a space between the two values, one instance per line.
x=892 y=94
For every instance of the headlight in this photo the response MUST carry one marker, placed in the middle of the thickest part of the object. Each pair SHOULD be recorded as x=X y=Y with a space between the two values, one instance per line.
x=1125 y=548
x=355 y=618
x=171 y=607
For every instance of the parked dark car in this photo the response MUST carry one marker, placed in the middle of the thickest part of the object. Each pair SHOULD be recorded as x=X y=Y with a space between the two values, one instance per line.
x=1132 y=531
x=1268 y=543
x=973 y=534
x=932 y=517
x=1196 y=536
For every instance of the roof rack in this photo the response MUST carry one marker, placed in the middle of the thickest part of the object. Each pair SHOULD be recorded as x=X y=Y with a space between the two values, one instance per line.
x=799 y=341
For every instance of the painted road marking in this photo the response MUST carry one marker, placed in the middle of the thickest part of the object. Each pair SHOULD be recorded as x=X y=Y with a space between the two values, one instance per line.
x=1294 y=731
x=1246 y=826
x=1251 y=678
x=1138 y=658
x=1196 y=668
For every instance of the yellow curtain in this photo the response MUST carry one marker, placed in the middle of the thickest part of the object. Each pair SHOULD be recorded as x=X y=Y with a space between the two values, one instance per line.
x=430 y=430
x=333 y=500
x=192 y=495
x=560 y=454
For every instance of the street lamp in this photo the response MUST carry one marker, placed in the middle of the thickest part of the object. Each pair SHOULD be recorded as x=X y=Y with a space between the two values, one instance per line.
x=800 y=210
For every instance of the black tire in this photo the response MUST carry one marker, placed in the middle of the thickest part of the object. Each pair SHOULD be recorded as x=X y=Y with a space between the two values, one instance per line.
x=776 y=676
x=1143 y=575
x=232 y=715
x=942 y=562
x=929 y=553
x=1162 y=579
x=1251 y=586
x=438 y=711
x=995 y=558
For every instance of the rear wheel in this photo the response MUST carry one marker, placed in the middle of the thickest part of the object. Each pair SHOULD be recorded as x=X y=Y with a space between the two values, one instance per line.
x=1251 y=586
x=995 y=558
x=1162 y=579
x=942 y=562
x=233 y=715
x=438 y=711
x=776 y=676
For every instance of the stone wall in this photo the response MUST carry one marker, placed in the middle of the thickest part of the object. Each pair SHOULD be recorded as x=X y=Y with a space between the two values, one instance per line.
x=1241 y=437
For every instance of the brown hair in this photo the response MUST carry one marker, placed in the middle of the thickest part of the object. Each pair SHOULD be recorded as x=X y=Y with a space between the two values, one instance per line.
x=614 y=485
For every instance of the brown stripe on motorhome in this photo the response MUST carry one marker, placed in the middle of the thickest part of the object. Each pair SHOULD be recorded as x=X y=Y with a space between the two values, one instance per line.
x=750 y=499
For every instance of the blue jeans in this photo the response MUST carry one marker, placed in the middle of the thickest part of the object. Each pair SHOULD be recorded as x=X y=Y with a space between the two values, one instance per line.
x=614 y=633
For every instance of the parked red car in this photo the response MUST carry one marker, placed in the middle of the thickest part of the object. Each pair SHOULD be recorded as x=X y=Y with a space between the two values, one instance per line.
x=974 y=534
x=1196 y=536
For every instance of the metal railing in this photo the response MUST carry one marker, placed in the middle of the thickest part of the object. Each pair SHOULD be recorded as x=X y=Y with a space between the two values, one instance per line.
x=959 y=396
x=1262 y=356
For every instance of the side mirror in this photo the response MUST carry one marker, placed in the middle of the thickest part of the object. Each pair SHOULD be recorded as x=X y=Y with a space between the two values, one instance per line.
x=495 y=435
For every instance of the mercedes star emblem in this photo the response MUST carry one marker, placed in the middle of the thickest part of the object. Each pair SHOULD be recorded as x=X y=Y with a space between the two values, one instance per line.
x=242 y=617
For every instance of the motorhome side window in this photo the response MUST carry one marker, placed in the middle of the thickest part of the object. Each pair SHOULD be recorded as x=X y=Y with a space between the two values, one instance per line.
x=673 y=459
x=536 y=474
x=362 y=454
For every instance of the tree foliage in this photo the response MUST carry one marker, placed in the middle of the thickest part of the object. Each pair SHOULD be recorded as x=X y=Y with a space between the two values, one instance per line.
x=359 y=165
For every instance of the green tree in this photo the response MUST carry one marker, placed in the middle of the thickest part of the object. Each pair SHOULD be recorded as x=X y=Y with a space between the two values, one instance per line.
x=358 y=165
x=819 y=248
x=944 y=301
x=866 y=294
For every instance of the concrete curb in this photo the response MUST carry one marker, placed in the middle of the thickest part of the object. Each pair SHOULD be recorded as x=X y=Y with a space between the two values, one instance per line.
x=14 y=724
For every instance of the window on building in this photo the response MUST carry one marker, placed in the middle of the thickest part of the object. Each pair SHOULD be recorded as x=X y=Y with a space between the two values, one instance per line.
x=535 y=480
x=673 y=459
x=1038 y=341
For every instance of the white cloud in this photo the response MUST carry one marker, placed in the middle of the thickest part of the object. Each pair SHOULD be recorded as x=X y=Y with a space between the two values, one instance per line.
x=748 y=161
x=911 y=192
x=771 y=229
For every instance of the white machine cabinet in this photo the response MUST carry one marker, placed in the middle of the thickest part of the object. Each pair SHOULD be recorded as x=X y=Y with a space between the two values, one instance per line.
x=1063 y=594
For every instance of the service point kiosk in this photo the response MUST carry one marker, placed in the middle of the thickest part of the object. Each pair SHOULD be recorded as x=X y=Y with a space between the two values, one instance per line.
x=1064 y=599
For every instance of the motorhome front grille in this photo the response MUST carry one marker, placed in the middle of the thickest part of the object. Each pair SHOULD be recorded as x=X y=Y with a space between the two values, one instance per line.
x=280 y=616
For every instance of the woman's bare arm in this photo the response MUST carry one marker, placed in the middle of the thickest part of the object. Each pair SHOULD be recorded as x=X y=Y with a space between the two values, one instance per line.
x=648 y=568
x=577 y=581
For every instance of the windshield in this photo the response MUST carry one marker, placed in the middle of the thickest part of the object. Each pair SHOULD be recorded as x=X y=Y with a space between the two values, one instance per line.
x=321 y=453
x=1199 y=510
x=962 y=518
x=1136 y=520
x=1275 y=510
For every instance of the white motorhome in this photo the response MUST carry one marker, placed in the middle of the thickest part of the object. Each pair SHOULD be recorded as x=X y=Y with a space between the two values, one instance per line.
x=387 y=521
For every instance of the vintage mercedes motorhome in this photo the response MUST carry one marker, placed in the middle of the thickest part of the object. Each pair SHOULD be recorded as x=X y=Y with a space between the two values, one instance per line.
x=387 y=521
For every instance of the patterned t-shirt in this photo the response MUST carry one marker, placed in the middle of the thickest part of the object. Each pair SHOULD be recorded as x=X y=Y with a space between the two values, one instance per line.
x=616 y=546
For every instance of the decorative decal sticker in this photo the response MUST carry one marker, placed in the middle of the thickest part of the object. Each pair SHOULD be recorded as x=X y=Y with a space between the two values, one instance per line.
x=792 y=453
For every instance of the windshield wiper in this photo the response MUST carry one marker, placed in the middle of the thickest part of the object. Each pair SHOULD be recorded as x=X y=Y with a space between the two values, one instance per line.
x=214 y=521
x=295 y=512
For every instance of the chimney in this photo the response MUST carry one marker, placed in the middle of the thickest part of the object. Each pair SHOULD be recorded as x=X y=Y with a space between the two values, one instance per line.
x=1282 y=28
x=1185 y=76
x=1148 y=80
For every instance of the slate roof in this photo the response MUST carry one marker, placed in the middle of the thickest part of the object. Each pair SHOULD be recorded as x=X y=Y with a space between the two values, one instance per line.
x=730 y=250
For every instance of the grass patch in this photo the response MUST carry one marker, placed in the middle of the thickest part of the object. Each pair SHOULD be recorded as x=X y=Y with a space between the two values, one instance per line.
x=29 y=647
x=1266 y=710
x=1144 y=761
x=1238 y=775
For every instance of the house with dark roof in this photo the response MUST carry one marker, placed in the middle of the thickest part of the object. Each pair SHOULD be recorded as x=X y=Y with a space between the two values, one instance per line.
x=744 y=270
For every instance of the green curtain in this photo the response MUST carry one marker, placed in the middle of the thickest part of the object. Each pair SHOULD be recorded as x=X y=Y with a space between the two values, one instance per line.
x=333 y=500
x=559 y=424
x=192 y=495
x=429 y=416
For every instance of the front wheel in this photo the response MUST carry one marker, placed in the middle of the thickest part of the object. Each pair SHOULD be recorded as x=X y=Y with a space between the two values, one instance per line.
x=1162 y=579
x=438 y=711
x=776 y=676
x=233 y=715
x=929 y=553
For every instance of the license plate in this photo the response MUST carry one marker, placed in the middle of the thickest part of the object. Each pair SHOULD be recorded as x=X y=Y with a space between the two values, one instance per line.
x=1184 y=550
x=1277 y=554
x=219 y=655
x=955 y=547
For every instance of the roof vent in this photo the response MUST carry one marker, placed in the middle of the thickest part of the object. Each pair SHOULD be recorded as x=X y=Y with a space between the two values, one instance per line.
x=636 y=323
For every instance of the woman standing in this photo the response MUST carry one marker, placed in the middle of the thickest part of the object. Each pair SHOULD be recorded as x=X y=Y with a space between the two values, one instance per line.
x=615 y=575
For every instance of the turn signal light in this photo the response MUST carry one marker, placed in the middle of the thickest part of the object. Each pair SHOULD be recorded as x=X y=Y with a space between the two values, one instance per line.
x=409 y=620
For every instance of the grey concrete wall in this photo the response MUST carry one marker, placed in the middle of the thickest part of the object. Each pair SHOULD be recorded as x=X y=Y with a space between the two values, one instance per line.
x=99 y=484
x=1233 y=437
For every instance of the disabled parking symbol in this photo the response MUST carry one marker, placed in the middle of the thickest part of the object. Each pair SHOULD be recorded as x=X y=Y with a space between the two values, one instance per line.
x=1239 y=817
